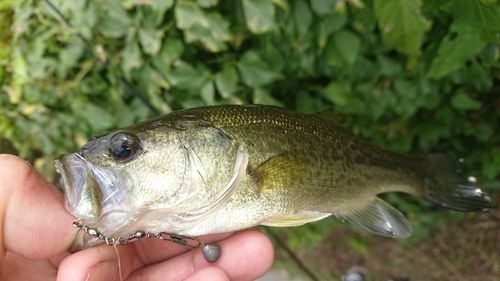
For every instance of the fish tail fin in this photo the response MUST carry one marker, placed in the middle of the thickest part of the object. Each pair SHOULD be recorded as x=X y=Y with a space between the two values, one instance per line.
x=445 y=187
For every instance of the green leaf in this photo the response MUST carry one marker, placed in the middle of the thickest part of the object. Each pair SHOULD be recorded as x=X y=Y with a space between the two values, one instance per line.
x=283 y=4
x=262 y=96
x=98 y=118
x=219 y=26
x=388 y=66
x=273 y=57
x=44 y=67
x=254 y=72
x=131 y=58
x=213 y=36
x=323 y=7
x=171 y=50
x=207 y=93
x=355 y=106
x=186 y=77
x=305 y=103
x=302 y=17
x=93 y=85
x=226 y=81
x=207 y=3
x=479 y=77
x=483 y=19
x=342 y=49
x=401 y=23
x=429 y=133
x=431 y=6
x=198 y=32
x=259 y=15
x=461 y=44
x=160 y=7
x=115 y=22
x=488 y=2
x=84 y=22
x=68 y=58
x=462 y=101
x=408 y=102
x=188 y=14
x=150 y=41
x=490 y=54
x=338 y=92
x=329 y=25
x=364 y=20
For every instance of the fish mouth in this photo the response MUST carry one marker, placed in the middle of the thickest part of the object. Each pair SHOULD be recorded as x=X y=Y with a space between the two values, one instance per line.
x=91 y=194
x=82 y=191
x=73 y=178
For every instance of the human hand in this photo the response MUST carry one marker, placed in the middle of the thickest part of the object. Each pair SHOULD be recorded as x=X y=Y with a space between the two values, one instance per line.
x=36 y=230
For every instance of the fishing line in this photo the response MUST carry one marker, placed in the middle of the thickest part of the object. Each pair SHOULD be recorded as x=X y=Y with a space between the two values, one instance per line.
x=156 y=113
x=119 y=263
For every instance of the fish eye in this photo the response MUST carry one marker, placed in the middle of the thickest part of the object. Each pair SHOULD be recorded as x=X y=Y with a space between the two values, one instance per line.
x=124 y=147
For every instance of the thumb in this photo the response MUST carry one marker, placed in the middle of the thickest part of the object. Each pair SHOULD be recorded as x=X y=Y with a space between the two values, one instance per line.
x=33 y=220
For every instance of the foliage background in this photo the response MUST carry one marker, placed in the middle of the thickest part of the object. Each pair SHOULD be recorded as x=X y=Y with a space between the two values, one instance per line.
x=412 y=76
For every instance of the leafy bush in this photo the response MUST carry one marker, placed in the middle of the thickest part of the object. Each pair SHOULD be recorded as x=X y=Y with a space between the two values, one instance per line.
x=412 y=76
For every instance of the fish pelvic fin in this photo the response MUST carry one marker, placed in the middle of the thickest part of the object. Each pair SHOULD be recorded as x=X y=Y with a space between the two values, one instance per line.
x=445 y=187
x=378 y=217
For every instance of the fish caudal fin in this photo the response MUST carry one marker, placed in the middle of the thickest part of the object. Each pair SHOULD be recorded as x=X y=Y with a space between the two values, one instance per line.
x=448 y=189
x=378 y=217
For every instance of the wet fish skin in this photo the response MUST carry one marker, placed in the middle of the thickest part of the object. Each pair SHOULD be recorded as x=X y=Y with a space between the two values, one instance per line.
x=224 y=168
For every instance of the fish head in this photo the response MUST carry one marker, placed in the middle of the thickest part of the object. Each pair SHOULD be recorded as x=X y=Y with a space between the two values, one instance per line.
x=95 y=177
x=151 y=177
x=110 y=179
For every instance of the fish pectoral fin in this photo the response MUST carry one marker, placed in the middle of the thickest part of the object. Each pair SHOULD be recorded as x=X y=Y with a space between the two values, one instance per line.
x=295 y=219
x=378 y=217
x=283 y=172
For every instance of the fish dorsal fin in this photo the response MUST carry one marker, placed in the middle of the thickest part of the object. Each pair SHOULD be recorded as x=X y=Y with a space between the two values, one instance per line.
x=283 y=172
x=300 y=218
x=378 y=217
x=327 y=115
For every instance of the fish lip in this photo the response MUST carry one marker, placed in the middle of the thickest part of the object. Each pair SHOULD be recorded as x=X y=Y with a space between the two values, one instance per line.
x=73 y=170
x=77 y=175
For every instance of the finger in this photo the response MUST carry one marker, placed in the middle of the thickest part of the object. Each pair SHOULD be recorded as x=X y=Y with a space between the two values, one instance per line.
x=33 y=219
x=151 y=251
x=98 y=263
x=245 y=256
x=16 y=267
x=208 y=274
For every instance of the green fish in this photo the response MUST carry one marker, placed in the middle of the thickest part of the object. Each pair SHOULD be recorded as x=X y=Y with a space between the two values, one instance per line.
x=224 y=168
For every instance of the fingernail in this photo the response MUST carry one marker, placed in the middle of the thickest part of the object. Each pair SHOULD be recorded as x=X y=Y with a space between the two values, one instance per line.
x=103 y=271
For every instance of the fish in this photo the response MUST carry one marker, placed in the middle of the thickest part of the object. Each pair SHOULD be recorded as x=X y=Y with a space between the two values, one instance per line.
x=225 y=168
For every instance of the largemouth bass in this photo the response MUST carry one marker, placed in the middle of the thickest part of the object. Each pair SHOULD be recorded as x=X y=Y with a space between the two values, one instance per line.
x=225 y=168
